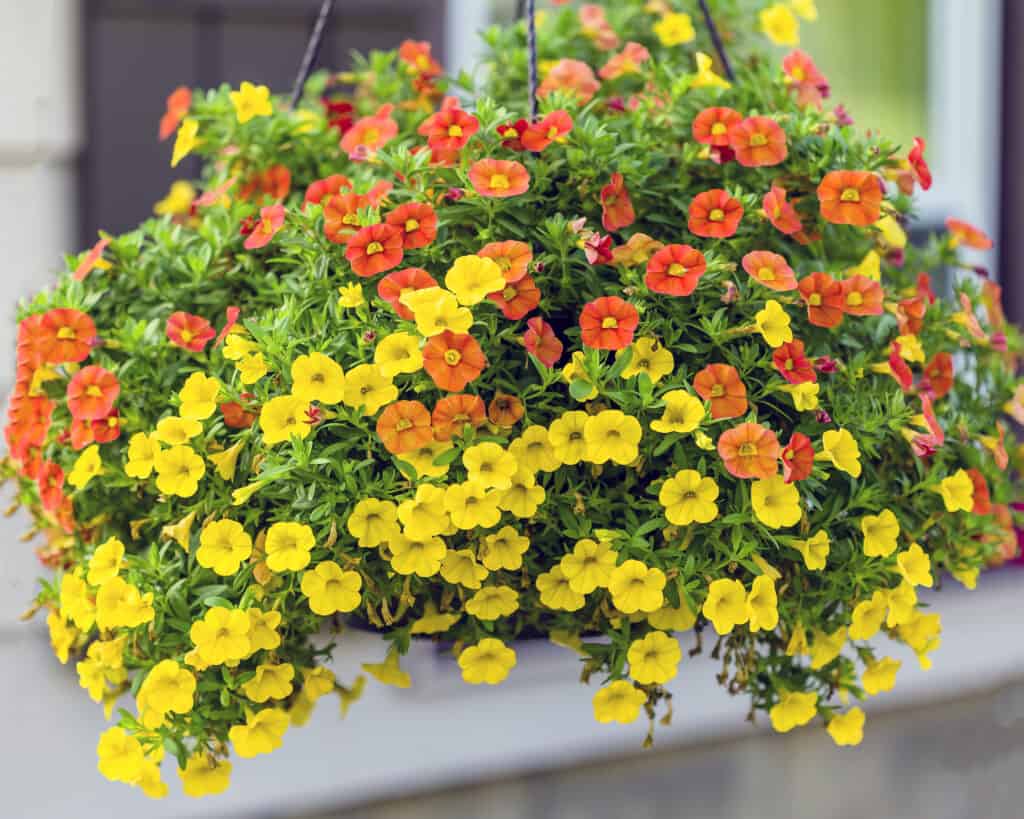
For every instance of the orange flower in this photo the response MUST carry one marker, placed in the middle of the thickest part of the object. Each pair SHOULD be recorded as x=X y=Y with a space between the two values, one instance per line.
x=511 y=134
x=404 y=426
x=711 y=126
x=938 y=376
x=850 y=198
x=573 y=76
x=721 y=385
x=964 y=233
x=237 y=416
x=188 y=331
x=714 y=214
x=450 y=128
x=275 y=182
x=499 y=178
x=178 y=103
x=780 y=213
x=616 y=206
x=517 y=298
x=982 y=497
x=608 y=323
x=92 y=392
x=505 y=410
x=675 y=270
x=370 y=133
x=637 y=251
x=541 y=342
x=512 y=257
x=797 y=458
x=30 y=418
x=803 y=75
x=824 y=298
x=33 y=341
x=395 y=285
x=453 y=360
x=341 y=216
x=374 y=249
x=326 y=188
x=595 y=26
x=627 y=61
x=92 y=259
x=271 y=221
x=65 y=335
x=416 y=54
x=538 y=135
x=99 y=430
x=770 y=269
x=50 y=479
x=790 y=361
x=898 y=368
x=417 y=222
x=453 y=412
x=758 y=142
x=918 y=166
x=910 y=314
x=862 y=296
x=749 y=451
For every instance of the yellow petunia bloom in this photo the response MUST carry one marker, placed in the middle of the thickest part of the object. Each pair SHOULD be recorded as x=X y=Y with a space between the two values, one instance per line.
x=262 y=733
x=814 y=550
x=826 y=647
x=611 y=435
x=421 y=555
x=675 y=28
x=270 y=682
x=556 y=593
x=178 y=200
x=120 y=604
x=689 y=497
x=398 y=353
x=367 y=387
x=168 y=688
x=762 y=604
x=373 y=522
x=805 y=396
x=178 y=471
x=490 y=466
x=205 y=776
x=489 y=661
x=503 y=550
x=957 y=492
x=649 y=356
x=226 y=462
x=142 y=451
x=436 y=310
x=589 y=565
x=840 y=448
x=198 y=399
x=654 y=659
x=668 y=618
x=880 y=675
x=776 y=503
x=915 y=565
x=868 y=616
x=251 y=101
x=424 y=515
x=389 y=672
x=533 y=450
x=848 y=728
x=726 y=604
x=351 y=296
x=619 y=701
x=317 y=377
x=636 y=587
x=76 y=602
x=283 y=417
x=471 y=278
x=177 y=431
x=880 y=532
x=706 y=77
x=105 y=562
x=780 y=25
x=330 y=589
x=288 y=545
x=121 y=758
x=185 y=141
x=460 y=568
x=223 y=546
x=251 y=367
x=422 y=459
x=87 y=466
x=794 y=708
x=773 y=324
x=805 y=8
x=567 y=436
x=470 y=505
x=492 y=602
x=221 y=636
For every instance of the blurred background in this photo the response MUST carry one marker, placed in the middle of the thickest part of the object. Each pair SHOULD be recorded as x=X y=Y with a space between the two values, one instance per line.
x=83 y=86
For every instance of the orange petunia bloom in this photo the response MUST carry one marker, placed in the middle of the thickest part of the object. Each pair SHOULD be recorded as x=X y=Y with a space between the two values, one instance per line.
x=538 y=135
x=91 y=393
x=378 y=194
x=274 y=182
x=918 y=166
x=711 y=126
x=395 y=285
x=797 y=458
x=32 y=342
x=595 y=26
x=417 y=222
x=938 y=376
x=370 y=133
x=794 y=366
x=803 y=76
x=374 y=249
x=824 y=298
x=770 y=269
x=188 y=331
x=721 y=385
x=271 y=221
x=453 y=412
x=964 y=233
x=573 y=76
x=93 y=259
x=850 y=198
x=758 y=142
x=65 y=335
x=99 y=430
x=898 y=368
x=540 y=341
x=237 y=416
x=50 y=479
x=982 y=496
x=178 y=103
x=518 y=298
x=505 y=410
x=910 y=314
x=453 y=360
x=675 y=270
x=416 y=54
x=404 y=426
x=499 y=178
x=616 y=207
x=627 y=61
x=862 y=296
x=341 y=216
x=608 y=323
x=326 y=188
x=30 y=418
x=749 y=451
x=512 y=257
x=714 y=214
x=781 y=213
x=450 y=128
x=511 y=134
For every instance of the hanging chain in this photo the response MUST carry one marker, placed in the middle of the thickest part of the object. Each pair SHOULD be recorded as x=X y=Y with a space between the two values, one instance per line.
x=716 y=41
x=316 y=39
x=531 y=56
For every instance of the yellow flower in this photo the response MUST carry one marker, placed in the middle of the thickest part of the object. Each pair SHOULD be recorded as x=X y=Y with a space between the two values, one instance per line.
x=421 y=555
x=62 y=635
x=776 y=503
x=797 y=644
x=226 y=462
x=706 y=76
x=432 y=622
x=492 y=602
x=149 y=781
x=566 y=434
x=870 y=266
x=317 y=377
x=636 y=587
x=461 y=569
x=840 y=447
x=575 y=371
x=490 y=466
x=805 y=8
x=87 y=466
x=880 y=675
x=673 y=619
x=868 y=616
x=814 y=550
x=902 y=603
x=263 y=635
x=221 y=636
x=556 y=593
x=330 y=589
x=76 y=602
x=398 y=353
x=675 y=29
x=178 y=200
x=611 y=435
x=389 y=672
x=619 y=701
x=794 y=708
x=915 y=566
x=683 y=413
x=237 y=346
x=185 y=140
x=142 y=450
x=780 y=25
x=121 y=604
x=957 y=492
x=424 y=515
x=261 y=734
x=367 y=387
x=288 y=545
x=967 y=577
x=176 y=431
x=589 y=565
x=805 y=396
x=654 y=659
x=422 y=459
x=773 y=324
x=270 y=682
x=910 y=348
x=726 y=604
x=471 y=278
x=649 y=356
x=489 y=661
x=205 y=776
x=167 y=688
x=105 y=562
x=703 y=440
x=880 y=533
x=533 y=450
x=242 y=494
x=223 y=545
x=178 y=471
x=826 y=647
x=436 y=310
x=523 y=497
x=848 y=728
x=351 y=296
x=373 y=522
x=121 y=758
x=762 y=604
x=689 y=497
x=251 y=101
x=283 y=417
x=921 y=633
x=198 y=398
x=470 y=505
x=504 y=550
x=251 y=367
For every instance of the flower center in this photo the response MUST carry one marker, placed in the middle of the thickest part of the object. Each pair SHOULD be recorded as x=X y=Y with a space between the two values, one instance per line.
x=717 y=391
x=373 y=248
x=789 y=364
x=718 y=128
x=411 y=225
x=609 y=323
x=350 y=219
x=454 y=130
x=766 y=274
x=509 y=293
x=854 y=299
x=675 y=269
x=552 y=132
x=187 y=335
x=93 y=391
x=452 y=357
x=716 y=215
x=798 y=74
x=66 y=334
x=689 y=495
x=403 y=424
x=499 y=182
x=758 y=140
x=849 y=195
x=371 y=135
x=814 y=299
x=748 y=449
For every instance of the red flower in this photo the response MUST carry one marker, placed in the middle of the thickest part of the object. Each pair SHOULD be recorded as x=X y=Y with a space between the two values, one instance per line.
x=370 y=133
x=780 y=213
x=374 y=249
x=231 y=315
x=721 y=385
x=938 y=376
x=749 y=451
x=499 y=178
x=338 y=114
x=188 y=331
x=237 y=416
x=92 y=259
x=450 y=128
x=404 y=426
x=964 y=233
x=271 y=221
x=803 y=75
x=395 y=285
x=417 y=222
x=511 y=256
x=416 y=54
x=91 y=393
x=675 y=270
x=573 y=76
x=517 y=298
x=790 y=361
x=511 y=134
x=453 y=360
x=862 y=296
x=910 y=314
x=453 y=412
x=64 y=335
x=341 y=216
x=714 y=214
x=537 y=136
x=50 y=479
x=924 y=287
x=505 y=410
x=711 y=126
x=379 y=192
x=215 y=196
x=982 y=497
x=797 y=458
x=100 y=430
x=608 y=323
x=616 y=206
x=326 y=187
x=178 y=103
x=850 y=198
x=918 y=166
x=898 y=368
x=541 y=342
x=824 y=298
x=758 y=142
x=925 y=444
x=274 y=182
x=770 y=269
x=597 y=248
